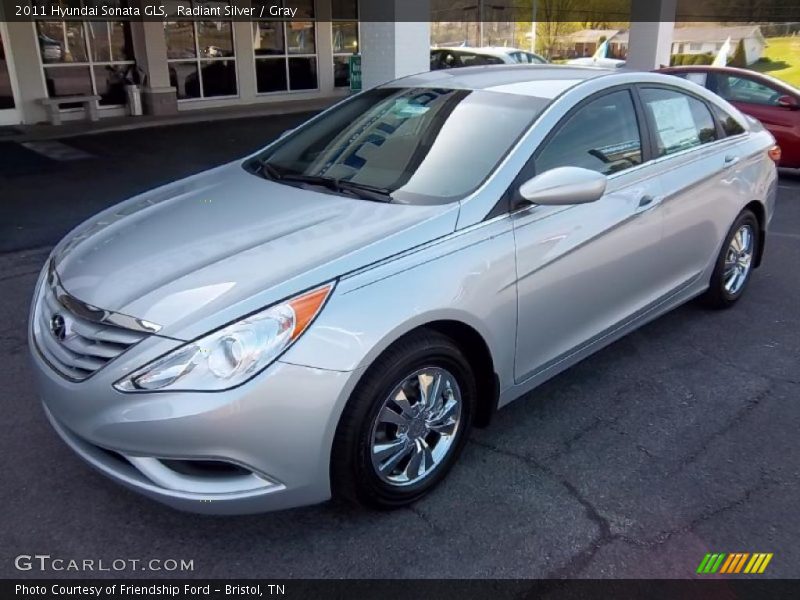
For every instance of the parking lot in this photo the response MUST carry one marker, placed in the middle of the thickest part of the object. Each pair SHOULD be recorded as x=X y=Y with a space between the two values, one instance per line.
x=679 y=440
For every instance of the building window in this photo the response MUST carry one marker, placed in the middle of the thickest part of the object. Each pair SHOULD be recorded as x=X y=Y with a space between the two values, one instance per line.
x=87 y=58
x=344 y=23
x=285 y=52
x=201 y=57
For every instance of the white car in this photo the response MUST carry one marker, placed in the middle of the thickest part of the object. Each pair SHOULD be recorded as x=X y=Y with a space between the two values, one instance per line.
x=517 y=56
x=605 y=63
x=599 y=59
x=449 y=58
x=330 y=315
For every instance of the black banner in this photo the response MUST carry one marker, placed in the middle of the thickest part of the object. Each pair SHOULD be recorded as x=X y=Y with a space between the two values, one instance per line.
x=589 y=12
x=717 y=589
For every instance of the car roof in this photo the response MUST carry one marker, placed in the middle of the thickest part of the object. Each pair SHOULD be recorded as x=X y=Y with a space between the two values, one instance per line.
x=545 y=81
x=486 y=50
x=731 y=71
x=501 y=49
x=497 y=51
x=707 y=68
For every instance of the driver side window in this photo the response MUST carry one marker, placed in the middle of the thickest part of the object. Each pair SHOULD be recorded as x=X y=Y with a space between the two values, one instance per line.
x=602 y=135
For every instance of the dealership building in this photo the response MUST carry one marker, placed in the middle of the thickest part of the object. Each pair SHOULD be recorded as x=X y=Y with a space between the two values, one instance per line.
x=194 y=65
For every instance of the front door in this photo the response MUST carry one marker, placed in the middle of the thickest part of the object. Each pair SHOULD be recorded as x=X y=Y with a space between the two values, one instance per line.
x=9 y=112
x=583 y=270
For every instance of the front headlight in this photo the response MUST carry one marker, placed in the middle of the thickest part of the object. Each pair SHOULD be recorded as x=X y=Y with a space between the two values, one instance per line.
x=230 y=356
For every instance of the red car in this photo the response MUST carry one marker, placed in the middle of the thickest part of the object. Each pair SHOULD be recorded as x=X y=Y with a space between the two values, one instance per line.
x=775 y=103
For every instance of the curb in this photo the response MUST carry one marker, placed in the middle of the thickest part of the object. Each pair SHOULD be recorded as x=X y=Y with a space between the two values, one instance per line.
x=70 y=129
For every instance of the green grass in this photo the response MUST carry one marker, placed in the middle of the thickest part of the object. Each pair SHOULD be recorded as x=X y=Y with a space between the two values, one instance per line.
x=784 y=60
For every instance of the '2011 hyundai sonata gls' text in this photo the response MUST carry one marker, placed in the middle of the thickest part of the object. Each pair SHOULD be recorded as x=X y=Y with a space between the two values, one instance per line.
x=330 y=316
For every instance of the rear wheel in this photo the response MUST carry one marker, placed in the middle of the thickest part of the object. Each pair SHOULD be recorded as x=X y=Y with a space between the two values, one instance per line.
x=735 y=263
x=406 y=423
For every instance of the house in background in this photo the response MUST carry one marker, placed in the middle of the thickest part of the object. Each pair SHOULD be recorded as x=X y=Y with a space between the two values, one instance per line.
x=686 y=40
x=584 y=43
x=709 y=40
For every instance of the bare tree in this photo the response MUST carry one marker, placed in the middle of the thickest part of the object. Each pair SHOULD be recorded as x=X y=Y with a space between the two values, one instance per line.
x=552 y=23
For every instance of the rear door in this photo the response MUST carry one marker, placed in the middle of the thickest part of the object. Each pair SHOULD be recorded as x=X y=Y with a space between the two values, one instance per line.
x=699 y=169
x=584 y=269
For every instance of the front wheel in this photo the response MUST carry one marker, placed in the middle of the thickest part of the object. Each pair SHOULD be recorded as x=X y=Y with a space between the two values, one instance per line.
x=405 y=424
x=735 y=263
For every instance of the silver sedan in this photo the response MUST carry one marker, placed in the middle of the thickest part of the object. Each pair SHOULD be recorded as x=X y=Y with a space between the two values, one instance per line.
x=331 y=315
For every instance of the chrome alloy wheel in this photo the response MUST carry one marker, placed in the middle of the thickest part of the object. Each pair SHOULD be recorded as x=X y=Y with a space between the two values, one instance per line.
x=416 y=426
x=738 y=260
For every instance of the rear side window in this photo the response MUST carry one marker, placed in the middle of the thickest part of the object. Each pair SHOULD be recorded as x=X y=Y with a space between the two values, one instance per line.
x=453 y=60
x=697 y=77
x=680 y=122
x=602 y=135
x=741 y=89
x=527 y=58
x=729 y=124
x=473 y=60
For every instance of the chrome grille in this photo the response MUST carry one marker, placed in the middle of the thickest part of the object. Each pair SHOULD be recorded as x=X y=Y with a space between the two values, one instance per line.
x=77 y=339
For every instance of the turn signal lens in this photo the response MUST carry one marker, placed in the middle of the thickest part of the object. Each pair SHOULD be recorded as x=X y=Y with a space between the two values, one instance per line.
x=306 y=308
x=775 y=154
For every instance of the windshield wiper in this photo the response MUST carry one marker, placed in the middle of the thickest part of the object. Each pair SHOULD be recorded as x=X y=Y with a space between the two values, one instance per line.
x=361 y=190
x=368 y=192
x=270 y=172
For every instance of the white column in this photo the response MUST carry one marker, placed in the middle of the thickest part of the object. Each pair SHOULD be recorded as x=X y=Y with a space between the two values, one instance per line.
x=395 y=49
x=150 y=48
x=21 y=43
x=652 y=25
x=324 y=48
x=245 y=68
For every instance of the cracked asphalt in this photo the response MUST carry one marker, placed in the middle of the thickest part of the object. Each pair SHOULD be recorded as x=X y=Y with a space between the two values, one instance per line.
x=678 y=440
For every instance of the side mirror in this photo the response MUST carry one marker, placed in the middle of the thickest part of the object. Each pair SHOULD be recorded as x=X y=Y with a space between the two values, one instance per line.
x=789 y=102
x=564 y=186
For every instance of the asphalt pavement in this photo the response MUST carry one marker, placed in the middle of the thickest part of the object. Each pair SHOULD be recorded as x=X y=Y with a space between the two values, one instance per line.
x=680 y=439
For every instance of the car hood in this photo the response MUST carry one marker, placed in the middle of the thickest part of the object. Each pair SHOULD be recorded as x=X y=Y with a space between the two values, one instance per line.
x=200 y=252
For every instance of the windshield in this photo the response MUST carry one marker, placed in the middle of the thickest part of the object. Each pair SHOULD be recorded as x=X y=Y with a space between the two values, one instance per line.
x=415 y=145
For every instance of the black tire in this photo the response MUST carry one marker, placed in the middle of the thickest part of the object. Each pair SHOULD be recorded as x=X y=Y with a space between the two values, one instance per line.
x=717 y=296
x=353 y=477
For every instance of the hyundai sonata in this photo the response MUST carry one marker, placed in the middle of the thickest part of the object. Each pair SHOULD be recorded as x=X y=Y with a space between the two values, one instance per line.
x=330 y=316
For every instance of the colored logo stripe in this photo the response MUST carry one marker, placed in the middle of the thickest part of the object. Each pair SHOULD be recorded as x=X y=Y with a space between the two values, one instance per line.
x=710 y=563
x=703 y=563
x=758 y=563
x=727 y=565
x=734 y=563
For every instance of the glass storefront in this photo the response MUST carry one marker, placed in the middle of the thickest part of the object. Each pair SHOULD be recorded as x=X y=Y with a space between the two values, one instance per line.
x=6 y=91
x=285 y=52
x=201 y=56
x=344 y=24
x=87 y=58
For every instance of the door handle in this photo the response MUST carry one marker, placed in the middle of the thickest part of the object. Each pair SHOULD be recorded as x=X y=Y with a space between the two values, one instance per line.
x=646 y=201
x=730 y=160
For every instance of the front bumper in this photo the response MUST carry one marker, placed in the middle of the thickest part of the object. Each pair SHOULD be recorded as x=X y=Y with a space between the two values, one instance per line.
x=274 y=433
